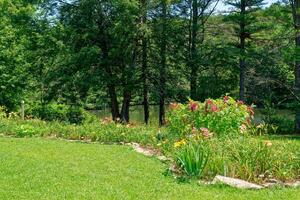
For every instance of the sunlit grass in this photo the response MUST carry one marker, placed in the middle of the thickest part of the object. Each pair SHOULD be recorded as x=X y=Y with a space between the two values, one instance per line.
x=53 y=169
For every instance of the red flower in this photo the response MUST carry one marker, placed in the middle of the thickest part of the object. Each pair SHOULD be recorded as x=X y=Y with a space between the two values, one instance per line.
x=214 y=108
x=225 y=99
x=193 y=106
x=194 y=130
x=206 y=133
x=209 y=102
x=210 y=106
x=248 y=120
x=239 y=102
x=250 y=110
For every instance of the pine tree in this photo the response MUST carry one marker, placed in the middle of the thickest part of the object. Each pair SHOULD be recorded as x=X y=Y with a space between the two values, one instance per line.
x=242 y=16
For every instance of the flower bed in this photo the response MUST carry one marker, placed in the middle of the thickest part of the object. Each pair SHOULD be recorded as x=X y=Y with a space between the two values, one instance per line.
x=214 y=137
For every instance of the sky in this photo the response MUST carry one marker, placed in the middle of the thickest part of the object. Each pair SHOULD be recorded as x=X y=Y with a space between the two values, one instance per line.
x=222 y=7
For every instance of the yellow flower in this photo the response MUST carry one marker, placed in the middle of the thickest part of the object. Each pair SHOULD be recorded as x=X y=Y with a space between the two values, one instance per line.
x=165 y=141
x=179 y=143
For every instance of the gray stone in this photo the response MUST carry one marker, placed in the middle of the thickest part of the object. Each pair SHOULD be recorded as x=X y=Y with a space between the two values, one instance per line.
x=162 y=158
x=272 y=180
x=270 y=185
x=294 y=184
x=261 y=176
x=237 y=183
x=147 y=152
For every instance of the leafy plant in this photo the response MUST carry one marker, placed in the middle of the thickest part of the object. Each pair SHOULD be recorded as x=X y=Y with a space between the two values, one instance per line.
x=225 y=117
x=193 y=158
x=25 y=130
x=285 y=125
x=2 y=112
x=60 y=112
x=75 y=115
x=262 y=129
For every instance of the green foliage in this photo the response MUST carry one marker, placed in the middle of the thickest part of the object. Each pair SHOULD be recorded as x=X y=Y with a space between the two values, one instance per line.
x=49 y=112
x=15 y=19
x=60 y=112
x=285 y=125
x=224 y=117
x=25 y=130
x=237 y=155
x=92 y=130
x=75 y=115
x=2 y=112
x=193 y=157
x=248 y=158
x=262 y=129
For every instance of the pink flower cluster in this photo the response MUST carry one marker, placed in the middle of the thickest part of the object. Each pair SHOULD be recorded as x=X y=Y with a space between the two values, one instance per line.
x=193 y=106
x=210 y=106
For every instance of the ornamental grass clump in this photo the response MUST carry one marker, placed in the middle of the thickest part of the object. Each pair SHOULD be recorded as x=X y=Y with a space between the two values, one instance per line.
x=254 y=159
x=192 y=157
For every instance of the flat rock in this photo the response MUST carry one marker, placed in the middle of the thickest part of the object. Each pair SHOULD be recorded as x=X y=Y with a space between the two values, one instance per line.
x=147 y=152
x=237 y=183
x=273 y=180
x=163 y=158
x=294 y=184
x=270 y=185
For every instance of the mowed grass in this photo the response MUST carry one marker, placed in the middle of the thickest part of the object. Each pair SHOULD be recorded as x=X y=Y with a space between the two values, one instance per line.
x=55 y=169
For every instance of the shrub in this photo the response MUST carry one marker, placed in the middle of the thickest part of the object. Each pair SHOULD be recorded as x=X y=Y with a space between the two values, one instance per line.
x=25 y=130
x=49 y=112
x=224 y=117
x=192 y=157
x=285 y=125
x=59 y=112
x=75 y=115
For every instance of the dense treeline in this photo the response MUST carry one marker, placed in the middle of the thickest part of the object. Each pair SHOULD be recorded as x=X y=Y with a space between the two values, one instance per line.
x=89 y=53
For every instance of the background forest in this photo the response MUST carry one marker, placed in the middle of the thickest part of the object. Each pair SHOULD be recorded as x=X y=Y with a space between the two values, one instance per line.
x=72 y=54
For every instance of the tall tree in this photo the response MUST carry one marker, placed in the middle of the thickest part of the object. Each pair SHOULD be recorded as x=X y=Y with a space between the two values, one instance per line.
x=144 y=5
x=163 y=60
x=15 y=29
x=193 y=50
x=296 y=16
x=197 y=12
x=243 y=17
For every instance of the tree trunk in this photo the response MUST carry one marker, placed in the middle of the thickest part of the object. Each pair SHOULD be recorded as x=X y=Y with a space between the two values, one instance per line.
x=114 y=105
x=126 y=105
x=193 y=54
x=144 y=65
x=296 y=15
x=162 y=74
x=128 y=84
x=242 y=51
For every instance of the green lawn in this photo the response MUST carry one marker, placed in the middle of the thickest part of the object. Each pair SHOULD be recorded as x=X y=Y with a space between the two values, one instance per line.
x=55 y=169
